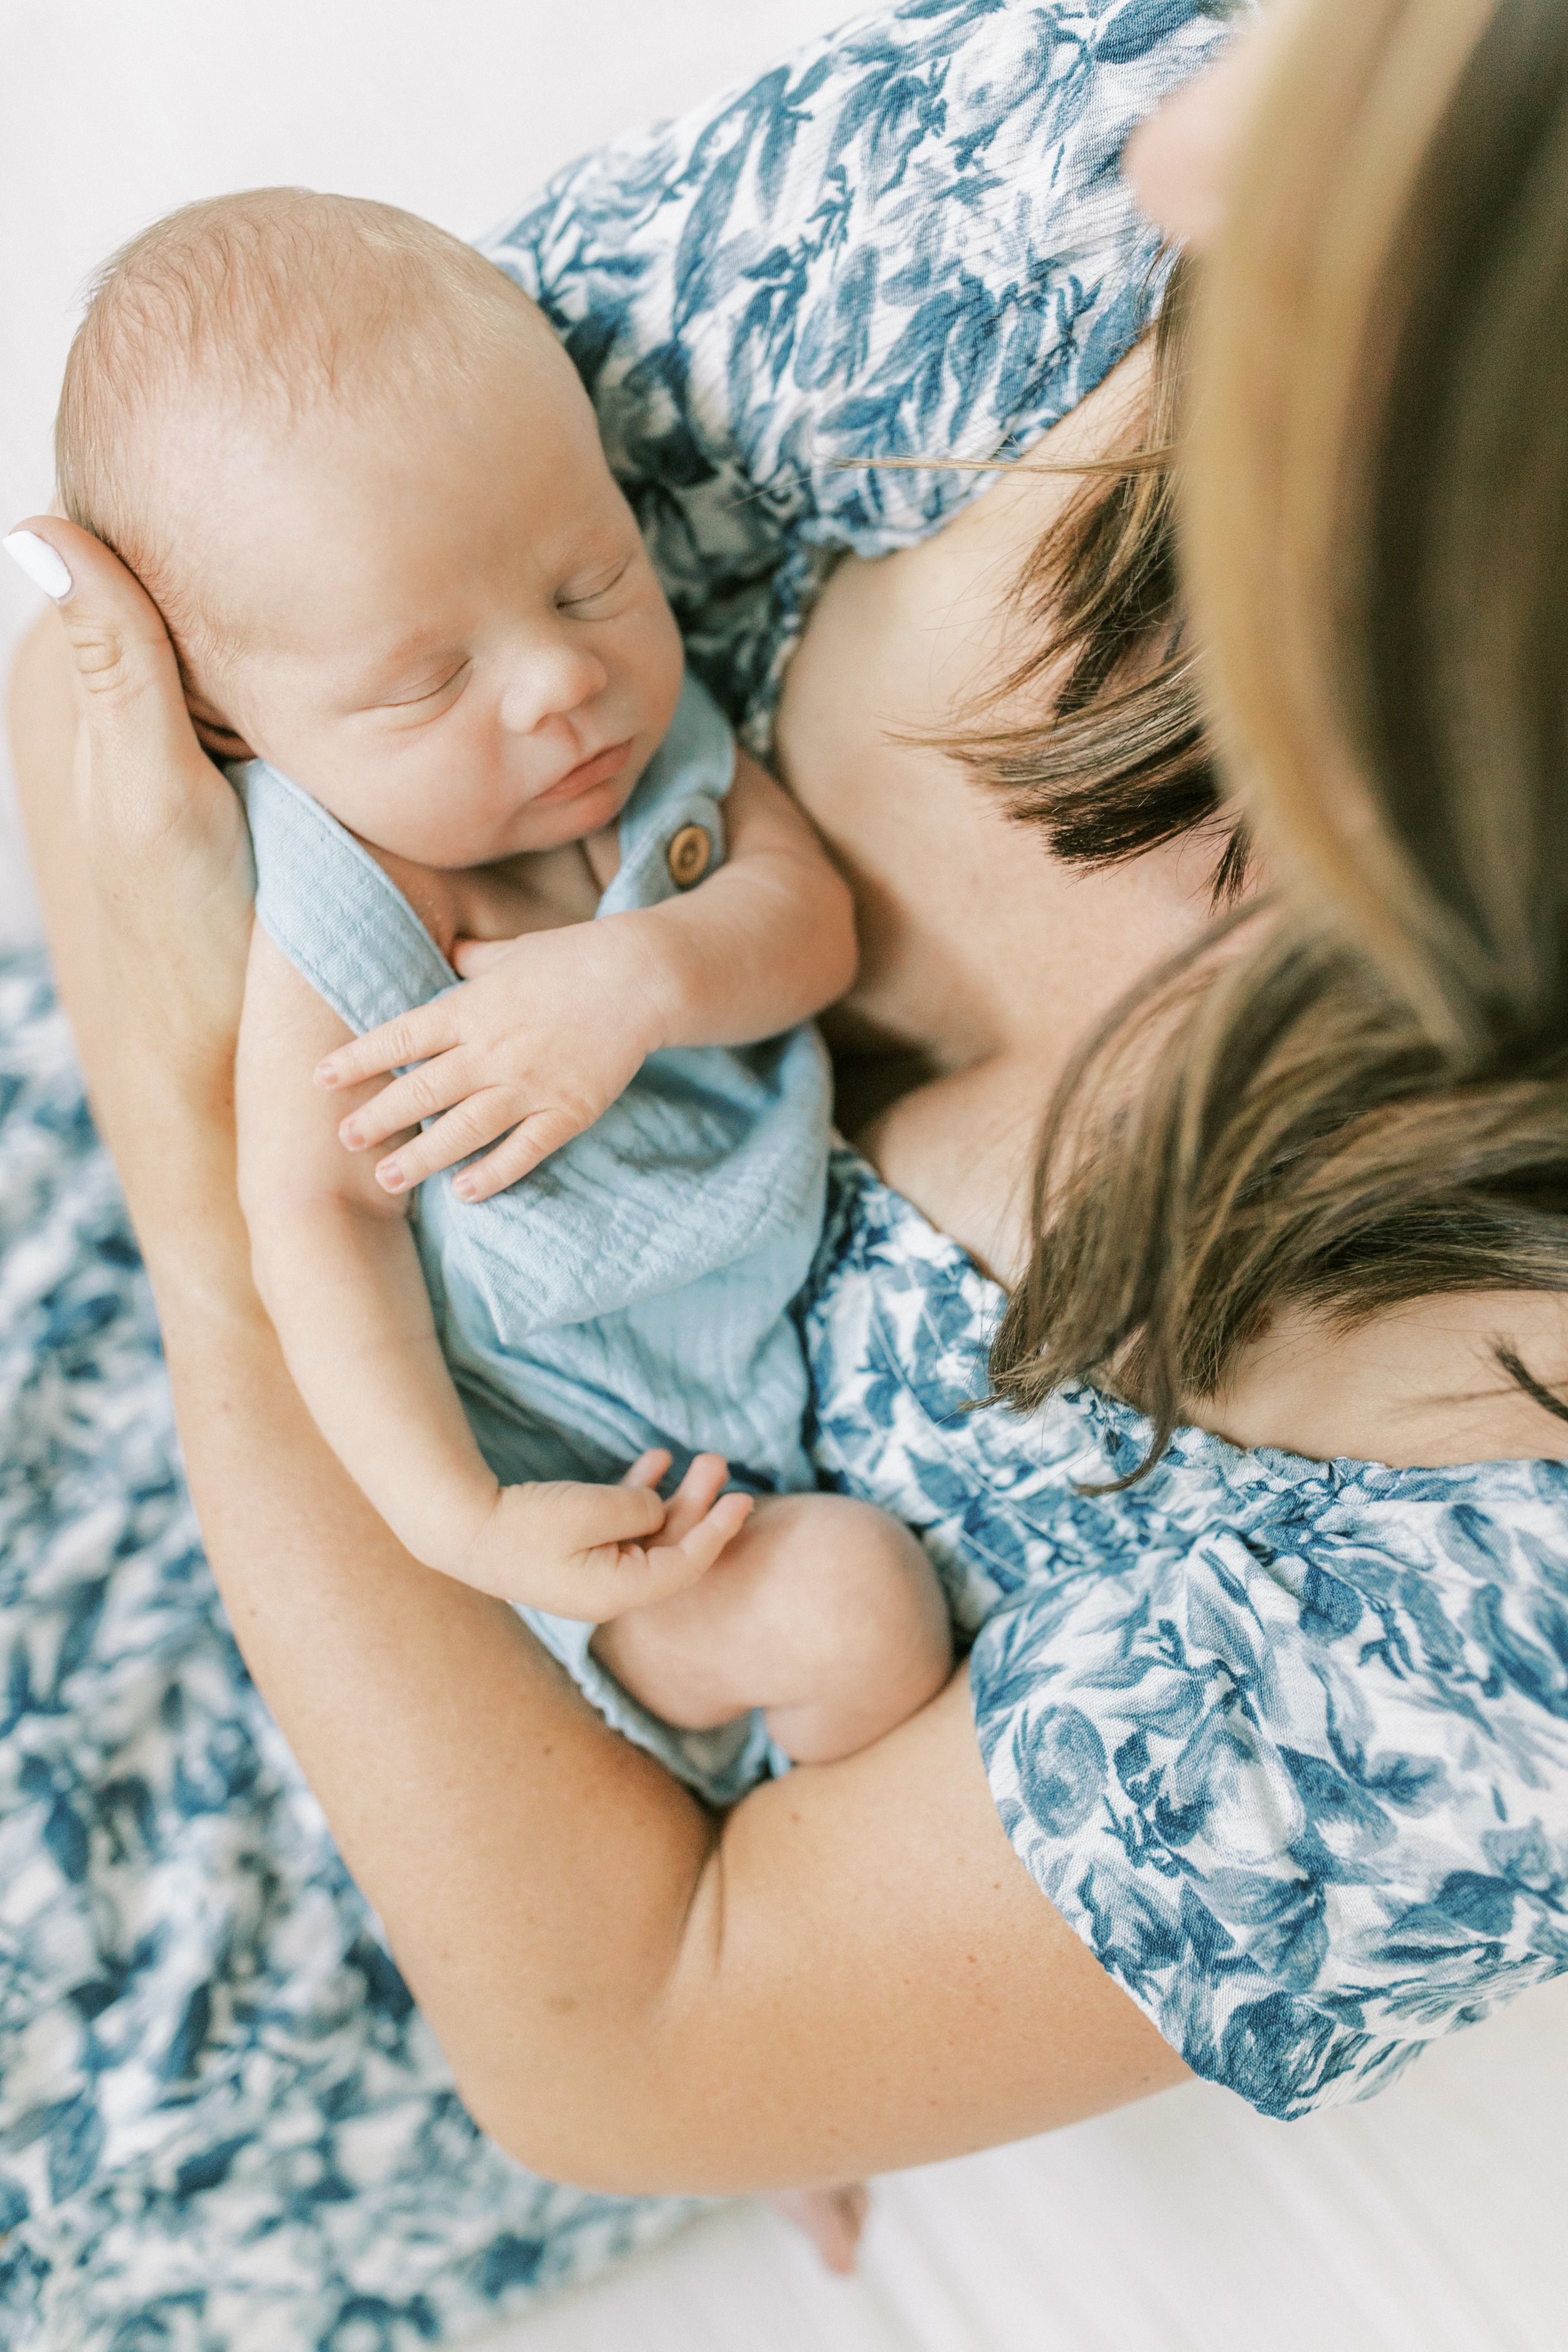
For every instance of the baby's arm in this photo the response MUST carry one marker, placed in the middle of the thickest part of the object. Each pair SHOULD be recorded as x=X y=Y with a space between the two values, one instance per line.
x=336 y=1265
x=767 y=941
x=552 y=1027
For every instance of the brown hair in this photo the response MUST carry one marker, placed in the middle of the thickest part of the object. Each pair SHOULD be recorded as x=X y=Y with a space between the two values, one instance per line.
x=1359 y=1095
x=1111 y=755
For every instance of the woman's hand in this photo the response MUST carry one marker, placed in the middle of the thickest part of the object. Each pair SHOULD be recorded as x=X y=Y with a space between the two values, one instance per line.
x=158 y=838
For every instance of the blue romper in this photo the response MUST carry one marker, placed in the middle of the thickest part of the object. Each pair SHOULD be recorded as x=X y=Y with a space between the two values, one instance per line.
x=1286 y=1741
x=636 y=1289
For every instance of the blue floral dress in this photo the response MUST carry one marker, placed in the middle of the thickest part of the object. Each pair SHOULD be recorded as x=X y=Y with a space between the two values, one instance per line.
x=224 y=2127
x=1286 y=1741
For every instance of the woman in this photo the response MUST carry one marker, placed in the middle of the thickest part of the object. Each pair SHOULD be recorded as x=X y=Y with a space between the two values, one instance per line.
x=1271 y=1778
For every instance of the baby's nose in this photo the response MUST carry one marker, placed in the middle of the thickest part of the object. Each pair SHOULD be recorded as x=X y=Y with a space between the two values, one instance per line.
x=552 y=684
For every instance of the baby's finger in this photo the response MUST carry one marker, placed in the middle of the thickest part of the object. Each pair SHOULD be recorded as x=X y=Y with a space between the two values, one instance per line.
x=531 y=1141
x=695 y=1496
x=412 y=1038
x=698 y=1549
x=568 y=1517
x=471 y=957
x=467 y=1129
x=614 y=1578
x=434 y=1087
x=648 y=1468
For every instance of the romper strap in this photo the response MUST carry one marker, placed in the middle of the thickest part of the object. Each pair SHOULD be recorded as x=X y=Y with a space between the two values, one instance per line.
x=323 y=900
x=680 y=790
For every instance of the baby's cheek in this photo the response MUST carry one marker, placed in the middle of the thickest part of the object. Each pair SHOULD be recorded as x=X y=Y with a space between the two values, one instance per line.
x=400 y=806
x=656 y=659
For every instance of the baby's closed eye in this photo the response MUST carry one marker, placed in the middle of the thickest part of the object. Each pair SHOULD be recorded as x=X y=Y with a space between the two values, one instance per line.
x=581 y=595
x=423 y=700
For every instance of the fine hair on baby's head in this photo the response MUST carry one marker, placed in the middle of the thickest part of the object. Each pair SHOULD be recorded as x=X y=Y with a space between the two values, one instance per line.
x=358 y=473
x=255 y=310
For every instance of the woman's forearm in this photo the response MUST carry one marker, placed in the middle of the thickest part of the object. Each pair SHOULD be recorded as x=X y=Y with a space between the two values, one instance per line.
x=629 y=1995
x=534 y=1873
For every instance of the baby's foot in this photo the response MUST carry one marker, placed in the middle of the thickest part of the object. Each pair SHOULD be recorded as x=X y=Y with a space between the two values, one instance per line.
x=832 y=2219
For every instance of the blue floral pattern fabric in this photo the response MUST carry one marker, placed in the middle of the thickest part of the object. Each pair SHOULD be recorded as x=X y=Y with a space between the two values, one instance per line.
x=222 y=2126
x=910 y=239
x=1286 y=1741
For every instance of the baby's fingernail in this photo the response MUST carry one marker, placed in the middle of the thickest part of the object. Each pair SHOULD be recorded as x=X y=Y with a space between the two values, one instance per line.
x=38 y=560
x=349 y=1138
x=390 y=1176
x=465 y=1187
x=325 y=1076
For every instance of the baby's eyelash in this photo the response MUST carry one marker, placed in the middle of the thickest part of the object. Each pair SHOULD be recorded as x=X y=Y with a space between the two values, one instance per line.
x=569 y=603
x=412 y=701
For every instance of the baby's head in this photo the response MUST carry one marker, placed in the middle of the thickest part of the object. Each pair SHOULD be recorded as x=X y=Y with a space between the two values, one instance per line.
x=360 y=476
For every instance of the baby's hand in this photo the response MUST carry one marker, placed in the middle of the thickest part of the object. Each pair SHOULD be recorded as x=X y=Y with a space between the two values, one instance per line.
x=549 y=1032
x=585 y=1551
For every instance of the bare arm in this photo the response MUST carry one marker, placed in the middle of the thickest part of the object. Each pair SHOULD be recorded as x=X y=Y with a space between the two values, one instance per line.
x=853 y=1972
x=552 y=1028
x=768 y=939
x=336 y=1268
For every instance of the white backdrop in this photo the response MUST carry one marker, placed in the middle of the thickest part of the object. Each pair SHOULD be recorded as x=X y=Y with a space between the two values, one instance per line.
x=1431 y=2221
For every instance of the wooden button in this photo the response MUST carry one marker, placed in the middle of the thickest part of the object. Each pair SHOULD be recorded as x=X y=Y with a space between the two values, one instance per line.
x=687 y=855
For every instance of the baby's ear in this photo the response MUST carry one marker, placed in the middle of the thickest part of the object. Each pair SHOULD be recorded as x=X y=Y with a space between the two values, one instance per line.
x=214 y=733
x=220 y=742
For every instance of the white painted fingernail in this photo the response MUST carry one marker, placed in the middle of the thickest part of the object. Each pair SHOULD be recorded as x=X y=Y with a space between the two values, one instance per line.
x=38 y=558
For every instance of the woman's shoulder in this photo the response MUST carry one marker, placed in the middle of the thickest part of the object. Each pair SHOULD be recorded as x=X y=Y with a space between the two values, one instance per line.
x=909 y=236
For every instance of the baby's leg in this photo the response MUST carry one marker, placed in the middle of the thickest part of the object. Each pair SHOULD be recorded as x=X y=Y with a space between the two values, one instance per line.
x=823 y=1611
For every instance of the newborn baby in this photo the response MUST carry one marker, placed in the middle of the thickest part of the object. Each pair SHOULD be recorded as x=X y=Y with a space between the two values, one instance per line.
x=364 y=484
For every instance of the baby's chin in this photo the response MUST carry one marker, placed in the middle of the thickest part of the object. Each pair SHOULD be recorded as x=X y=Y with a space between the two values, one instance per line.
x=547 y=824
x=537 y=825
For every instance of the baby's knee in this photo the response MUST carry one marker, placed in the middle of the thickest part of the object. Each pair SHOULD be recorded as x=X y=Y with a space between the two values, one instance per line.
x=860 y=1573
x=862 y=1620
